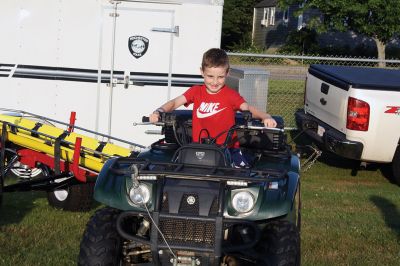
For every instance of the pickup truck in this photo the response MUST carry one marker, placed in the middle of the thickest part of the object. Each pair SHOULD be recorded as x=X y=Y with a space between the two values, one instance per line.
x=354 y=112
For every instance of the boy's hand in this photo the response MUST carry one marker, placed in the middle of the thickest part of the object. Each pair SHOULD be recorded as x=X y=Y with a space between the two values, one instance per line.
x=154 y=117
x=269 y=122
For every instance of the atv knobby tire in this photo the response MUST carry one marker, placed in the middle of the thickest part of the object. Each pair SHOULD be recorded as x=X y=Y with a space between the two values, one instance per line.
x=77 y=197
x=101 y=243
x=280 y=244
x=1 y=189
x=396 y=166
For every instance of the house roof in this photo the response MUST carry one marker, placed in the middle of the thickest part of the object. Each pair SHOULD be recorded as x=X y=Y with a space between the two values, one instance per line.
x=267 y=3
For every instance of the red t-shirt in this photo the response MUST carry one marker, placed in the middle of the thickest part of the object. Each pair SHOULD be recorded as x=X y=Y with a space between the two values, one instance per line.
x=213 y=112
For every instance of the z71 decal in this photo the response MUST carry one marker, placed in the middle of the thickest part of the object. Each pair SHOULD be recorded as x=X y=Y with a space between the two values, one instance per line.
x=393 y=110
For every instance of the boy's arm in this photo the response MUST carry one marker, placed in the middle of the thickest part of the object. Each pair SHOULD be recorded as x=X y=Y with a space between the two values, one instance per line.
x=167 y=107
x=266 y=118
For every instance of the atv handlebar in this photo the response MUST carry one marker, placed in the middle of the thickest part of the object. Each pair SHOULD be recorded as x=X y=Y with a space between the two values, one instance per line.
x=250 y=123
x=271 y=129
x=145 y=119
x=181 y=121
x=164 y=118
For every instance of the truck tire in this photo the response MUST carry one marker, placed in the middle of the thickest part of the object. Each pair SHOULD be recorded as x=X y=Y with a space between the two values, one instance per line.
x=77 y=197
x=280 y=244
x=101 y=243
x=396 y=166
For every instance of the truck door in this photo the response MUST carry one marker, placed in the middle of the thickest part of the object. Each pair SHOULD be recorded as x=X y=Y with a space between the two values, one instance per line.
x=136 y=54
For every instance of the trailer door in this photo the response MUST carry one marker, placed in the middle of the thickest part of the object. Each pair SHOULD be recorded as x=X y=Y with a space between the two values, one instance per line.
x=136 y=58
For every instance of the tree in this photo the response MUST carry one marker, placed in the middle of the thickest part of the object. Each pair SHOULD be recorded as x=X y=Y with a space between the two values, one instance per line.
x=300 y=42
x=377 y=19
x=237 y=23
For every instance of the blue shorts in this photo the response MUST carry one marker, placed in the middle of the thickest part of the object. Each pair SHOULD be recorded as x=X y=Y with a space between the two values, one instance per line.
x=238 y=158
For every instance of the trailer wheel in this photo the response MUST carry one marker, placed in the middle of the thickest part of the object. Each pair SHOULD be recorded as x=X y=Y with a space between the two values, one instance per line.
x=280 y=244
x=396 y=166
x=101 y=243
x=26 y=173
x=77 y=197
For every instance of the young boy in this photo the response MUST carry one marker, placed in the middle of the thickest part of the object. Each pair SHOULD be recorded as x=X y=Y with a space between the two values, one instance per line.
x=214 y=104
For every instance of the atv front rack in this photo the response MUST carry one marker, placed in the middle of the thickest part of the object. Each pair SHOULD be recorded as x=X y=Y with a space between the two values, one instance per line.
x=123 y=166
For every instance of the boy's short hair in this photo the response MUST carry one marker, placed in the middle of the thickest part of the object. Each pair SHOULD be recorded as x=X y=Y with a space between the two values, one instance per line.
x=215 y=57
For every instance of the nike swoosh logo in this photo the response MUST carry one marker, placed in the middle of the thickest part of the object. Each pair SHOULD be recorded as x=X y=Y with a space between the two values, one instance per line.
x=201 y=115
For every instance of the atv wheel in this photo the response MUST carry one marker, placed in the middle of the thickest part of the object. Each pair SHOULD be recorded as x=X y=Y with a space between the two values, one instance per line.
x=77 y=197
x=396 y=166
x=1 y=189
x=279 y=245
x=101 y=243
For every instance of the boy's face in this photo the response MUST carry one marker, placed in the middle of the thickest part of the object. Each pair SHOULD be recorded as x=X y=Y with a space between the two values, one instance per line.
x=214 y=78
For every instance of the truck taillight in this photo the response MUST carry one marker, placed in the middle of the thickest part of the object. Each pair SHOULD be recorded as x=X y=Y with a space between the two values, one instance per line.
x=357 y=114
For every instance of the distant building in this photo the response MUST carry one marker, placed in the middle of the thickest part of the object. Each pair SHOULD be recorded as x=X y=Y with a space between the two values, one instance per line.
x=271 y=25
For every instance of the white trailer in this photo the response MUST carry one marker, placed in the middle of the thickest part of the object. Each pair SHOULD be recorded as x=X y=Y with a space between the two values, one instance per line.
x=109 y=61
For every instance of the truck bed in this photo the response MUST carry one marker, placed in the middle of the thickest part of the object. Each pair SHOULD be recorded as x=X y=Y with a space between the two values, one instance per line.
x=358 y=77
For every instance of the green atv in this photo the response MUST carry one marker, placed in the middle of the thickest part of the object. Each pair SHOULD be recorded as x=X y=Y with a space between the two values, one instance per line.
x=182 y=203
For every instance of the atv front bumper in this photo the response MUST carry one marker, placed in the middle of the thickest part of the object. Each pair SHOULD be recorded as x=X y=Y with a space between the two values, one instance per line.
x=196 y=239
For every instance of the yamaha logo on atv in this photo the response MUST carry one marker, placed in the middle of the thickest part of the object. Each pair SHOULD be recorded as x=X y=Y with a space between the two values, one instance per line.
x=200 y=154
x=138 y=45
x=191 y=200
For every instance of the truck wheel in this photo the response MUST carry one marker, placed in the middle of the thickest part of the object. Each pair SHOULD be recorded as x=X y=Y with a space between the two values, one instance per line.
x=77 y=197
x=280 y=244
x=396 y=166
x=101 y=243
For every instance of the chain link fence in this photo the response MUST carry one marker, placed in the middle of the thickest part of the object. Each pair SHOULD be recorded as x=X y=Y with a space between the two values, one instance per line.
x=288 y=74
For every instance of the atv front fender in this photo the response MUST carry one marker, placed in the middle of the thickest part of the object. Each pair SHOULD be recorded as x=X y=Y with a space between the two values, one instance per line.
x=112 y=188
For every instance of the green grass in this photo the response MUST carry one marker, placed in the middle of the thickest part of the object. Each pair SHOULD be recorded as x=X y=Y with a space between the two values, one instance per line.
x=346 y=220
x=349 y=219
x=284 y=98
x=33 y=233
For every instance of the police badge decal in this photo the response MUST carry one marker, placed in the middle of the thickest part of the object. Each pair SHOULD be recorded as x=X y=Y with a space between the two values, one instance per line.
x=138 y=45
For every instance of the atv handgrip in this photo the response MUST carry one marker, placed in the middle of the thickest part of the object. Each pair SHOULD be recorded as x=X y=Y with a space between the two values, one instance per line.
x=146 y=119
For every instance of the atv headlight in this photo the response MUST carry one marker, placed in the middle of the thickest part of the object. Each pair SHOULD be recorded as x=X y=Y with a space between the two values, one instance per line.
x=140 y=195
x=243 y=201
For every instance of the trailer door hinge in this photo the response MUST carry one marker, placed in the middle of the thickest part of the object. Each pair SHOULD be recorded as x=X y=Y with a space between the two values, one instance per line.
x=168 y=30
x=115 y=3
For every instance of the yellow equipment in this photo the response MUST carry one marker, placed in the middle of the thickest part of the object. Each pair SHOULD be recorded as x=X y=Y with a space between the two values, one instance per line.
x=44 y=137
